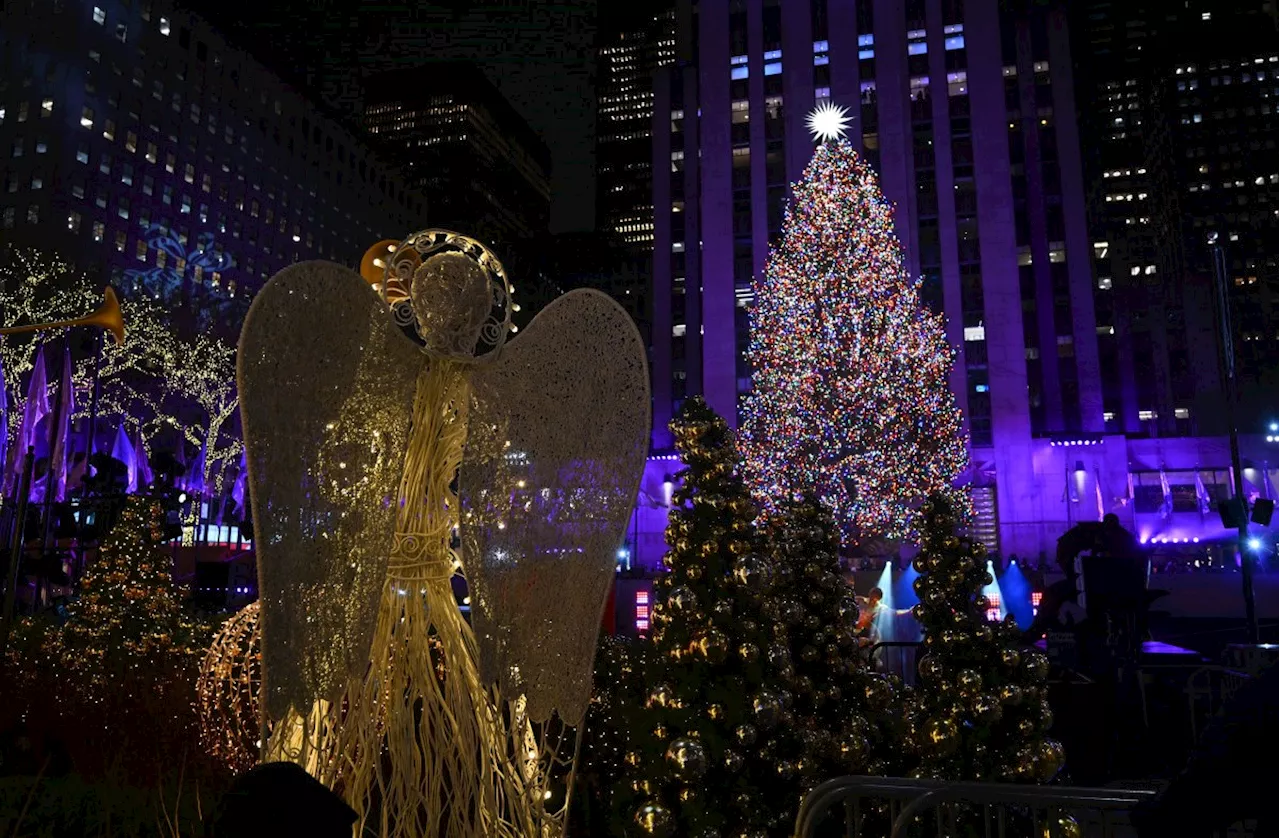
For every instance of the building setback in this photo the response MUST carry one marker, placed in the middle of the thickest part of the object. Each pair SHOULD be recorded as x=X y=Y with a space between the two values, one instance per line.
x=140 y=145
x=487 y=173
x=967 y=110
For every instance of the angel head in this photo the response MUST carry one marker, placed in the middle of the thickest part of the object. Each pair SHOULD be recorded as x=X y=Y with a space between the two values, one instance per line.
x=450 y=288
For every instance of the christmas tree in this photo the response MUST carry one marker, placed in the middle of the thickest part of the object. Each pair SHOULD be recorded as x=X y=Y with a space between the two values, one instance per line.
x=717 y=750
x=847 y=711
x=981 y=711
x=850 y=385
x=129 y=618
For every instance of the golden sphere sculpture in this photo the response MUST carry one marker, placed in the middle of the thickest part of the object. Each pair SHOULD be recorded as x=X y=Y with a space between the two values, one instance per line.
x=228 y=689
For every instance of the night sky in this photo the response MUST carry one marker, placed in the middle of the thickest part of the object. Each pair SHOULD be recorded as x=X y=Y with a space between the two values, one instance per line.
x=539 y=54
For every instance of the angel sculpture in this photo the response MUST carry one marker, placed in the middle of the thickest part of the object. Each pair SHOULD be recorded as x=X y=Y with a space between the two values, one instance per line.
x=395 y=438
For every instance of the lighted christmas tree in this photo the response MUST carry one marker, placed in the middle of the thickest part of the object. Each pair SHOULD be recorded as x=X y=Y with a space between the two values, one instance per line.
x=849 y=713
x=981 y=711
x=618 y=682
x=128 y=620
x=850 y=391
x=717 y=751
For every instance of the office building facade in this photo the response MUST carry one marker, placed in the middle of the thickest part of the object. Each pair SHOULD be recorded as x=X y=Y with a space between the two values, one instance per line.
x=458 y=141
x=141 y=145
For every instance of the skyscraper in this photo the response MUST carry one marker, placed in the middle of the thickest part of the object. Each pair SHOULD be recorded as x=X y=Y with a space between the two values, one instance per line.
x=459 y=141
x=631 y=50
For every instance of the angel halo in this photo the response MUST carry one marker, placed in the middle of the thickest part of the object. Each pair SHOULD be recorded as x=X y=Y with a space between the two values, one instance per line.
x=379 y=467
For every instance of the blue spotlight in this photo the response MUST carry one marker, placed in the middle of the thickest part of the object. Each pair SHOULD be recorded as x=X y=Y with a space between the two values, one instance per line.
x=1015 y=595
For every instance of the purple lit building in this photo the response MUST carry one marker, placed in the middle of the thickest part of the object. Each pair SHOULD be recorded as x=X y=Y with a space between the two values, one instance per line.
x=968 y=111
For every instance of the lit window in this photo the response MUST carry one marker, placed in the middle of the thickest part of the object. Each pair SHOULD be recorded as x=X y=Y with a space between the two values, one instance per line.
x=86 y=117
x=1040 y=67
x=1149 y=270
x=73 y=222
x=37 y=182
x=98 y=230
x=1033 y=353
x=121 y=240
x=141 y=251
x=1108 y=416
x=1104 y=283
x=164 y=26
x=1106 y=330
x=773 y=68
x=99 y=15
x=738 y=73
x=109 y=130
x=953 y=43
x=974 y=333
x=1206 y=15
x=1057 y=255
x=1100 y=249
x=46 y=108
x=122 y=32
x=919 y=47
x=677 y=331
x=1181 y=413
x=1147 y=415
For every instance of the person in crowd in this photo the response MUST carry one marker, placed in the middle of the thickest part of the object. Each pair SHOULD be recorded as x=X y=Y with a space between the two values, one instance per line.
x=280 y=798
x=1232 y=775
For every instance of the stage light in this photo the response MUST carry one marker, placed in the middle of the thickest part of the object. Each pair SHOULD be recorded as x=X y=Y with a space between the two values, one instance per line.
x=1254 y=544
x=182 y=497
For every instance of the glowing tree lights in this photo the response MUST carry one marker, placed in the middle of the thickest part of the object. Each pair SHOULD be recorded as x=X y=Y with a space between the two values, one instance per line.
x=850 y=397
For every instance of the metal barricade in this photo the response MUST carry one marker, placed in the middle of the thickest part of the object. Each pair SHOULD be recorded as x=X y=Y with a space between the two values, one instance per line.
x=883 y=807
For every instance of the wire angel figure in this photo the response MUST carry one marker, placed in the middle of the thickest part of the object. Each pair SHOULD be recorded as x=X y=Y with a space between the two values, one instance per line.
x=393 y=440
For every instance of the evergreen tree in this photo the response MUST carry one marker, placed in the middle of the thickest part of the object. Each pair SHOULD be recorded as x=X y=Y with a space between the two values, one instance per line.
x=618 y=683
x=851 y=396
x=128 y=619
x=718 y=752
x=982 y=711
x=847 y=711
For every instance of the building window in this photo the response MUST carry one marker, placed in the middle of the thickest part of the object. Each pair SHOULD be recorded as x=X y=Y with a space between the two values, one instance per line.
x=41 y=146
x=161 y=258
x=8 y=218
x=99 y=15
x=206 y=183
x=121 y=240
x=73 y=222
x=23 y=111
x=33 y=214
x=1147 y=415
x=164 y=26
x=105 y=165
x=1104 y=283
x=167 y=195
x=37 y=182
x=124 y=208
x=99 y=229
x=1181 y=413
x=46 y=108
x=122 y=32
x=151 y=152
x=170 y=162
x=86 y=117
x=148 y=185
x=131 y=142
x=975 y=333
x=126 y=174
x=17 y=148
x=189 y=173
x=141 y=251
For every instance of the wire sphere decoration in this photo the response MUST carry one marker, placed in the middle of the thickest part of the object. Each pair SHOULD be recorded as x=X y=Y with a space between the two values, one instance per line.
x=452 y=291
x=228 y=691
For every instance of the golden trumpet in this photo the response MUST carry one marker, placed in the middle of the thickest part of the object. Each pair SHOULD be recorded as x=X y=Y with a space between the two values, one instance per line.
x=107 y=316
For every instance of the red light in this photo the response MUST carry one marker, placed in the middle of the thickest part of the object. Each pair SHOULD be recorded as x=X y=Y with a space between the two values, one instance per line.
x=642 y=597
x=642 y=612
x=1035 y=597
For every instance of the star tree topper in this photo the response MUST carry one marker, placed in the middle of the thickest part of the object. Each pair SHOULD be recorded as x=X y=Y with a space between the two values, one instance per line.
x=828 y=121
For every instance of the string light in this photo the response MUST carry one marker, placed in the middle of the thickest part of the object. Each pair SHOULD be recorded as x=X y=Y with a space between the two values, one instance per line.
x=850 y=392
x=228 y=689
x=157 y=380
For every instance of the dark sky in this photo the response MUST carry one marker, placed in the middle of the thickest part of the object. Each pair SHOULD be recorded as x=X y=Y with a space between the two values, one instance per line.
x=539 y=54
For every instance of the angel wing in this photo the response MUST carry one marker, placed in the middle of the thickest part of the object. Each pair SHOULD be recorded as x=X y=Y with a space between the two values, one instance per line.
x=326 y=397
x=555 y=448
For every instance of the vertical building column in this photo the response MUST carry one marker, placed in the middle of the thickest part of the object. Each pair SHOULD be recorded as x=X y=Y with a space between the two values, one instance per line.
x=759 y=146
x=1016 y=487
x=797 y=84
x=661 y=288
x=842 y=43
x=893 y=89
x=1079 y=251
x=1045 y=304
x=719 y=345
x=694 y=312
x=944 y=180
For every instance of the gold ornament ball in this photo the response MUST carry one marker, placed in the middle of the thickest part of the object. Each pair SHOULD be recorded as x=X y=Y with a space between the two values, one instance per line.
x=715 y=712
x=1010 y=658
x=632 y=758
x=968 y=683
x=1011 y=694
x=942 y=736
x=655 y=820
x=1050 y=757
x=1062 y=825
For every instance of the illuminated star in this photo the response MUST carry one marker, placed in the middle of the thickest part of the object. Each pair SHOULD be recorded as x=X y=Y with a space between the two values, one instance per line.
x=828 y=121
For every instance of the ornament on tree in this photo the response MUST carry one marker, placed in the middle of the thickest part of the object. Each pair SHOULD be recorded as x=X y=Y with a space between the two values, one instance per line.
x=973 y=715
x=850 y=395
